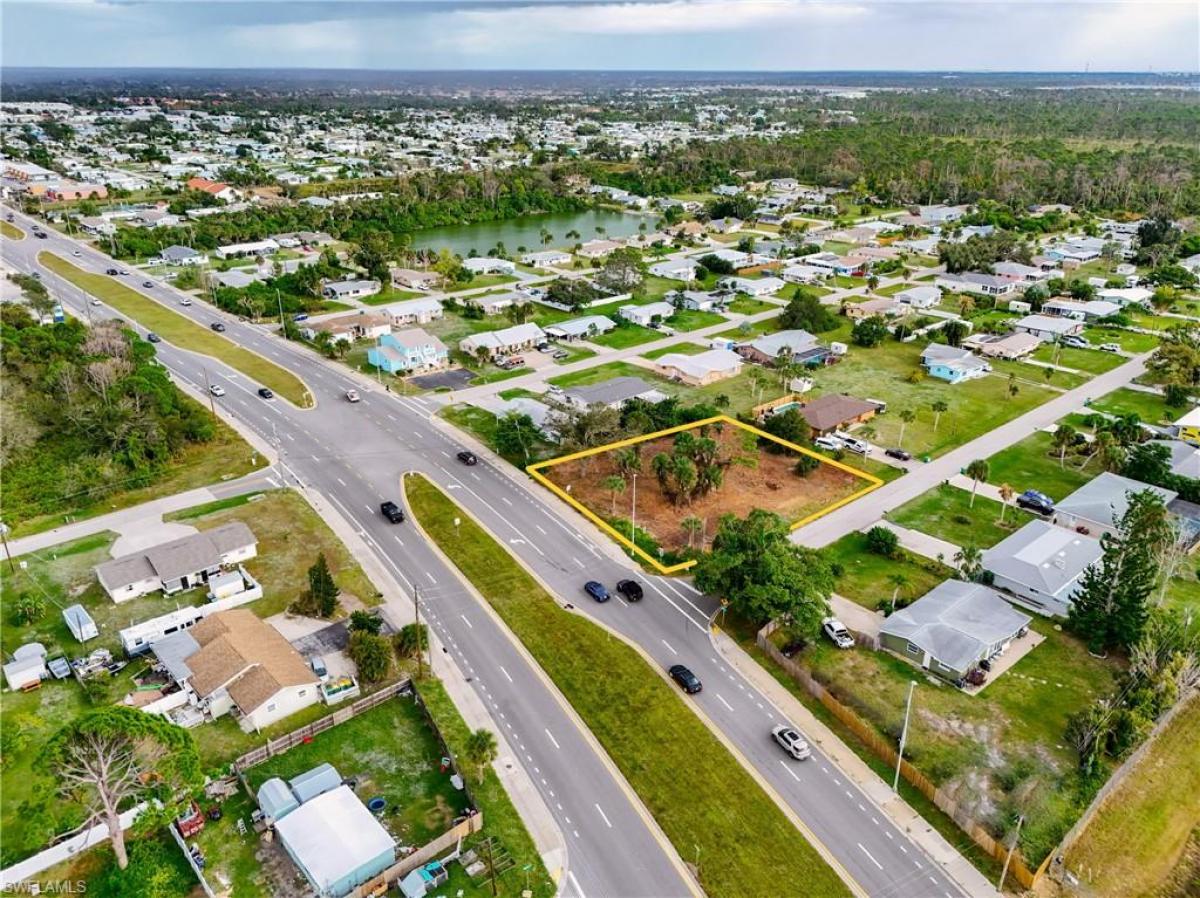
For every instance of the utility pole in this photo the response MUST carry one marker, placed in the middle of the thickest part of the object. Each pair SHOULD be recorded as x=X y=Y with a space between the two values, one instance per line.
x=420 y=651
x=208 y=389
x=282 y=326
x=7 y=554
x=903 y=735
x=1008 y=857
x=633 y=517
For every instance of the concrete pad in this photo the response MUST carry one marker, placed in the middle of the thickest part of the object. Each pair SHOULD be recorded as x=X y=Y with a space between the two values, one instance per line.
x=296 y=626
x=139 y=535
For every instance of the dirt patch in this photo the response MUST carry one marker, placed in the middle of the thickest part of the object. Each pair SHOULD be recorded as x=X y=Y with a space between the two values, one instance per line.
x=752 y=478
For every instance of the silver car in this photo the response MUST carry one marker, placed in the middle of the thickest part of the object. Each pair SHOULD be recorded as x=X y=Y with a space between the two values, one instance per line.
x=792 y=742
x=837 y=632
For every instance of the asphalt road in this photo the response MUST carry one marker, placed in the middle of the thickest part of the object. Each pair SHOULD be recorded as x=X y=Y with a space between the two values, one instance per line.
x=355 y=454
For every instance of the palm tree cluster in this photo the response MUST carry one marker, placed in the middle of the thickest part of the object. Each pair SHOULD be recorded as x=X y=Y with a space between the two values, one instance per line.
x=692 y=468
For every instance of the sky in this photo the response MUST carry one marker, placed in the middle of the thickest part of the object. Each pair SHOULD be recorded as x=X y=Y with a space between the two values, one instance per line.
x=738 y=35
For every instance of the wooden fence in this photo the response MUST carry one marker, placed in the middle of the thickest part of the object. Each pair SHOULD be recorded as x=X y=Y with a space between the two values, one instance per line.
x=427 y=852
x=885 y=750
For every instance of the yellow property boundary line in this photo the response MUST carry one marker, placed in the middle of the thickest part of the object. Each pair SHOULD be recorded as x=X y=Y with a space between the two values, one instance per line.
x=535 y=471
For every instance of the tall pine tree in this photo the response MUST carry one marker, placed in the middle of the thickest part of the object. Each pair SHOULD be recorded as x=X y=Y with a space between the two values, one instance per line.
x=1110 y=608
x=322 y=588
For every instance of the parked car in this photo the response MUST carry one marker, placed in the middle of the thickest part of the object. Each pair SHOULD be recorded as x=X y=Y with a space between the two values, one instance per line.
x=265 y=393
x=318 y=667
x=688 y=681
x=898 y=454
x=1032 y=500
x=217 y=390
x=545 y=347
x=149 y=285
x=352 y=396
x=153 y=337
x=392 y=512
x=560 y=354
x=1076 y=342
x=792 y=742
x=468 y=458
x=830 y=443
x=596 y=590
x=630 y=589
x=854 y=444
x=837 y=632
x=554 y=391
x=1110 y=347
x=217 y=326
x=301 y=316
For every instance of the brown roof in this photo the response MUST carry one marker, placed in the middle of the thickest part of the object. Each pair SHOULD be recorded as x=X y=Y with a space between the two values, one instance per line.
x=247 y=653
x=213 y=187
x=827 y=412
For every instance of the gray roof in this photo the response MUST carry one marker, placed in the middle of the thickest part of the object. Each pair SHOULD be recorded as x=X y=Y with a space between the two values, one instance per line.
x=608 y=392
x=177 y=558
x=77 y=618
x=957 y=622
x=797 y=341
x=581 y=326
x=1105 y=498
x=275 y=799
x=179 y=253
x=1043 y=556
x=311 y=783
x=1185 y=458
x=173 y=651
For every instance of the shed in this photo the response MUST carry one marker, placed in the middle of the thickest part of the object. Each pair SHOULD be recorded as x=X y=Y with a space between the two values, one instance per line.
x=275 y=799
x=321 y=779
x=27 y=668
x=80 y=623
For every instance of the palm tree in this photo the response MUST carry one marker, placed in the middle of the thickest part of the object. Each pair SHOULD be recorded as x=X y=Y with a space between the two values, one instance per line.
x=1013 y=389
x=907 y=416
x=966 y=305
x=615 y=486
x=627 y=461
x=691 y=525
x=977 y=470
x=899 y=581
x=1006 y=494
x=939 y=406
x=481 y=750
x=969 y=560
x=1063 y=439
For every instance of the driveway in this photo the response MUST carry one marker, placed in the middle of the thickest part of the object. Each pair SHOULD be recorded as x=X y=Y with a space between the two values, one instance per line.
x=455 y=380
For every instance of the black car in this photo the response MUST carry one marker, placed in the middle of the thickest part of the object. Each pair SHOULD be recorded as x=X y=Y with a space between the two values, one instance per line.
x=149 y=285
x=630 y=589
x=1032 y=500
x=898 y=454
x=468 y=458
x=392 y=512
x=217 y=326
x=41 y=235
x=153 y=337
x=686 y=679
x=265 y=393
x=112 y=272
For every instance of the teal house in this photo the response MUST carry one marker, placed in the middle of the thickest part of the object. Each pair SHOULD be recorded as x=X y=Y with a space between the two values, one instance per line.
x=411 y=351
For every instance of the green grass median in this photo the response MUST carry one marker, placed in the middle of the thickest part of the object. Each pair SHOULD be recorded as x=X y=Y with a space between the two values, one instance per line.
x=181 y=331
x=11 y=231
x=698 y=792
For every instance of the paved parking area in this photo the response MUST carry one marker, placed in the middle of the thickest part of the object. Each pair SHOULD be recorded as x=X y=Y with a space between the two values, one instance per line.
x=455 y=380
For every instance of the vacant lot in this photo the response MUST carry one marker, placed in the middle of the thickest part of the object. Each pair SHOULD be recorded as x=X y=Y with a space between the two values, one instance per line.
x=1033 y=463
x=752 y=478
x=1150 y=407
x=181 y=331
x=708 y=803
x=946 y=512
x=1132 y=844
x=868 y=579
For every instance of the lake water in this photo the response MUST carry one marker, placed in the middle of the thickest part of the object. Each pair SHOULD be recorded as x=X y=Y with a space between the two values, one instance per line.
x=526 y=231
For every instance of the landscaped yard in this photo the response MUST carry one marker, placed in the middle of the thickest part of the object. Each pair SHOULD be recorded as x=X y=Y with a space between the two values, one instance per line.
x=708 y=804
x=181 y=331
x=1150 y=407
x=1091 y=360
x=691 y=320
x=1033 y=463
x=946 y=512
x=866 y=578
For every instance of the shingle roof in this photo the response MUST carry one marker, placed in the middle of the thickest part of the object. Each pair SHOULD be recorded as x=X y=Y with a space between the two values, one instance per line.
x=827 y=412
x=1104 y=498
x=1043 y=556
x=618 y=389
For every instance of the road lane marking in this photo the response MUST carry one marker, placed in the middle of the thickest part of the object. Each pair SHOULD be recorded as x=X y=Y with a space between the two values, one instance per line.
x=788 y=768
x=604 y=816
x=432 y=578
x=540 y=530
x=868 y=854
x=339 y=480
x=552 y=739
x=505 y=500
x=467 y=622
x=397 y=539
x=505 y=672
x=571 y=876
x=669 y=646
x=721 y=699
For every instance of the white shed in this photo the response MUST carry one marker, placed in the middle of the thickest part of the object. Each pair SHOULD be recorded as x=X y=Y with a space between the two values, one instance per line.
x=80 y=623
x=28 y=666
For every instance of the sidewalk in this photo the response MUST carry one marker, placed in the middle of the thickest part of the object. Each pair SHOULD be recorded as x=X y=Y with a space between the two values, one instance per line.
x=921 y=543
x=904 y=817
x=987 y=490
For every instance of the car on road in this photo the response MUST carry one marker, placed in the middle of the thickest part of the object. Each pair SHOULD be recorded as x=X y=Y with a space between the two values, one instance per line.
x=95 y=302
x=8 y=217
x=830 y=443
x=1040 y=503
x=597 y=591
x=76 y=252
x=392 y=512
x=149 y=285
x=36 y=276
x=186 y=301
x=790 y=740
x=630 y=589
x=111 y=271
x=352 y=396
x=301 y=316
x=122 y=272
x=217 y=326
x=40 y=235
x=898 y=454
x=468 y=458
x=838 y=633
x=217 y=390
x=1110 y=347
x=265 y=393
x=688 y=681
x=153 y=337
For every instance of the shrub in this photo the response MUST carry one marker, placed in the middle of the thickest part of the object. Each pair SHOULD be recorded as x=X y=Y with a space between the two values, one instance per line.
x=882 y=541
x=411 y=639
x=27 y=609
x=365 y=622
x=371 y=654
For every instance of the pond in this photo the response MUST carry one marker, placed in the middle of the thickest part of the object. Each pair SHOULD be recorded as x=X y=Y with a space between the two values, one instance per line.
x=527 y=231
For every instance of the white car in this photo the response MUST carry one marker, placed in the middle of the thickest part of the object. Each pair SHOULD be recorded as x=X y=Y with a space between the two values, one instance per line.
x=217 y=390
x=352 y=396
x=95 y=302
x=186 y=301
x=1110 y=347
x=837 y=632
x=828 y=442
x=76 y=253
x=854 y=444
x=792 y=742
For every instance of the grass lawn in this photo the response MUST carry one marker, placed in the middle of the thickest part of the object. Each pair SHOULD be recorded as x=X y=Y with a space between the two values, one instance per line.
x=599 y=373
x=1150 y=407
x=181 y=331
x=627 y=334
x=485 y=280
x=1130 y=341
x=678 y=348
x=748 y=305
x=1090 y=360
x=517 y=393
x=710 y=803
x=1130 y=847
x=384 y=297
x=481 y=424
x=654 y=288
x=1033 y=464
x=11 y=231
x=750 y=329
x=893 y=289
x=691 y=320
x=574 y=353
x=865 y=577
x=946 y=512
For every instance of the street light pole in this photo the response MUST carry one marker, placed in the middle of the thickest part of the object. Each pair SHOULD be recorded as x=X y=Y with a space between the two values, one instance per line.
x=208 y=389
x=903 y=735
x=633 y=517
x=1008 y=857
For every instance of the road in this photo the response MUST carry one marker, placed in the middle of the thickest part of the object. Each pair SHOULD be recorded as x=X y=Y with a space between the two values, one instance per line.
x=355 y=454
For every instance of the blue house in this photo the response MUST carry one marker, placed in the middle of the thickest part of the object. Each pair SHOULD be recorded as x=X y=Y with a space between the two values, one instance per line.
x=952 y=364
x=409 y=351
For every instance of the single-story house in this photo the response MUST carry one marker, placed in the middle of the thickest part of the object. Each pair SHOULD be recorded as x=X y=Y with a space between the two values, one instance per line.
x=613 y=393
x=804 y=274
x=421 y=310
x=701 y=301
x=351 y=289
x=1040 y=565
x=797 y=345
x=725 y=225
x=237 y=278
x=517 y=338
x=179 y=564
x=734 y=257
x=701 y=369
x=1048 y=329
x=542 y=415
x=80 y=623
x=836 y=411
x=647 y=315
x=494 y=303
x=233 y=659
x=675 y=269
x=218 y=189
x=1018 y=272
x=581 y=328
x=1099 y=503
x=975 y=282
x=489 y=265
x=546 y=258
x=1126 y=296
x=919 y=297
x=953 y=364
x=1184 y=460
x=1003 y=346
x=182 y=255
x=754 y=286
x=597 y=249
x=953 y=627
x=1092 y=310
x=884 y=306
x=410 y=351
x=315 y=238
x=415 y=280
x=253 y=248
x=1187 y=427
x=835 y=264
x=348 y=328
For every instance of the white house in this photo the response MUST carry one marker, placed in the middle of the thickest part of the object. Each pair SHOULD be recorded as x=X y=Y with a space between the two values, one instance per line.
x=354 y=289
x=754 y=286
x=647 y=315
x=1126 y=296
x=919 y=297
x=415 y=280
x=485 y=265
x=254 y=248
x=1049 y=329
x=421 y=310
x=976 y=282
x=581 y=328
x=177 y=565
x=597 y=249
x=1091 y=310
x=675 y=269
x=511 y=339
x=701 y=369
x=546 y=258
x=804 y=274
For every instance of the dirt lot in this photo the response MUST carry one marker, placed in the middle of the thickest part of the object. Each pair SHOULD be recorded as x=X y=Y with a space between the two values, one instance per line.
x=753 y=478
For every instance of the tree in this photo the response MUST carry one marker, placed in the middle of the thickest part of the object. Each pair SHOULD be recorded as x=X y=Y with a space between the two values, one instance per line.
x=1109 y=610
x=412 y=640
x=27 y=609
x=480 y=751
x=955 y=332
x=110 y=758
x=365 y=622
x=322 y=589
x=1149 y=462
x=789 y=426
x=515 y=435
x=1177 y=359
x=1063 y=439
x=970 y=561
x=977 y=470
x=371 y=654
x=899 y=581
x=1006 y=494
x=868 y=332
x=763 y=575
x=906 y=416
x=616 y=487
x=692 y=526
x=938 y=406
x=883 y=541
x=805 y=312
